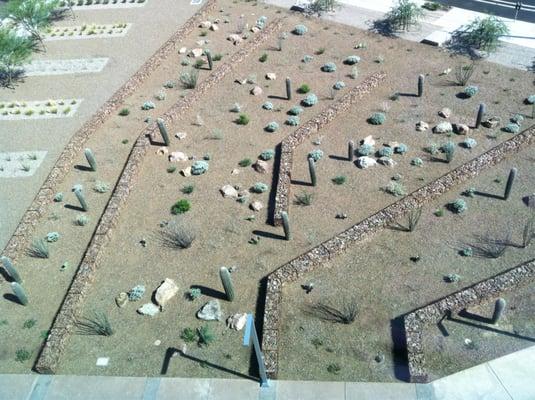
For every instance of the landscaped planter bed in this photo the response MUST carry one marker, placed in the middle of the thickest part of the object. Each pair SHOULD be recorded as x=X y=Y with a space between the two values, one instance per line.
x=20 y=110
x=61 y=67
x=87 y=31
x=20 y=164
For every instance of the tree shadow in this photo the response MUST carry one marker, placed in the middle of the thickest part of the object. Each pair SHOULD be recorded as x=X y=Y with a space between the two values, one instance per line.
x=81 y=167
x=399 y=349
x=268 y=235
x=383 y=27
x=11 y=297
x=16 y=78
x=216 y=294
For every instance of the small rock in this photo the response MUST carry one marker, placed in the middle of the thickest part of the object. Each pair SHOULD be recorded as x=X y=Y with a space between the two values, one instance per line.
x=368 y=140
x=341 y=216
x=261 y=167
x=183 y=50
x=491 y=122
x=422 y=126
x=162 y=151
x=461 y=129
x=211 y=311
x=143 y=243
x=387 y=161
x=181 y=135
x=205 y=24
x=379 y=358
x=157 y=342
x=445 y=112
x=235 y=171
x=445 y=72
x=529 y=200
x=255 y=29
x=121 y=299
x=271 y=76
x=214 y=27
x=366 y=162
x=256 y=91
x=176 y=156
x=165 y=292
x=202 y=42
x=235 y=39
x=237 y=321
x=229 y=191
x=196 y=52
x=186 y=171
x=256 y=205
x=149 y=309
x=443 y=127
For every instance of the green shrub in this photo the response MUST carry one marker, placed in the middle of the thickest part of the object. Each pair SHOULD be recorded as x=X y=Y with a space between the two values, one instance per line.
x=303 y=199
x=189 y=79
x=403 y=15
x=39 y=249
x=316 y=155
x=170 y=169
x=458 y=206
x=124 y=112
x=292 y=120
x=469 y=143
x=81 y=220
x=243 y=119
x=377 y=119
x=307 y=58
x=267 y=154
x=206 y=336
x=263 y=58
x=339 y=180
x=199 y=167
x=530 y=99
x=385 y=152
x=352 y=60
x=417 y=162
x=188 y=335
x=304 y=88
x=259 y=187
x=245 y=162
x=295 y=110
x=470 y=91
x=180 y=207
x=300 y=30
x=339 y=85
x=329 y=67
x=481 y=33
x=272 y=127
x=187 y=189
x=310 y=100
x=511 y=128
x=365 y=150
x=22 y=355
x=396 y=188
x=517 y=119
x=267 y=106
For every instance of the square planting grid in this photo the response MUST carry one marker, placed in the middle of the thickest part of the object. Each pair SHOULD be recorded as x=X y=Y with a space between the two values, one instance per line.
x=62 y=67
x=20 y=164
x=102 y=4
x=87 y=31
x=20 y=110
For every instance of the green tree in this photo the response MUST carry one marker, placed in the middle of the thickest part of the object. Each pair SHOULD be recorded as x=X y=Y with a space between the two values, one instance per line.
x=32 y=15
x=482 y=33
x=14 y=51
x=404 y=15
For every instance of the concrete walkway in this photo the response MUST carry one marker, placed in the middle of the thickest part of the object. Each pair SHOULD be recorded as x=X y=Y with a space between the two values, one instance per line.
x=517 y=50
x=511 y=377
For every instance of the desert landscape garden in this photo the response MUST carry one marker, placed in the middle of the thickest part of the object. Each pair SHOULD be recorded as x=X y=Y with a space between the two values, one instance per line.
x=258 y=136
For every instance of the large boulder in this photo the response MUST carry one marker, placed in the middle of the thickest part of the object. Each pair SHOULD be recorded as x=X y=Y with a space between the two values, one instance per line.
x=366 y=162
x=256 y=91
x=149 y=309
x=422 y=126
x=261 y=167
x=165 y=292
x=237 y=321
x=443 y=127
x=211 y=311
x=235 y=39
x=229 y=191
x=176 y=156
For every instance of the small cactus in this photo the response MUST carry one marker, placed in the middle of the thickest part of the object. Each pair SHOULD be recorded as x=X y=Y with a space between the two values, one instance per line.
x=499 y=308
x=421 y=79
x=81 y=198
x=312 y=170
x=226 y=280
x=163 y=131
x=20 y=293
x=12 y=272
x=90 y=159
x=209 y=58
x=286 y=225
x=480 y=114
x=509 y=184
x=288 y=89
x=351 y=151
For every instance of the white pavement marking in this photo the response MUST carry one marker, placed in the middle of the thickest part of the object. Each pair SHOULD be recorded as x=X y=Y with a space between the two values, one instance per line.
x=20 y=164
x=507 y=4
x=195 y=2
x=44 y=109
x=63 y=67
x=110 y=5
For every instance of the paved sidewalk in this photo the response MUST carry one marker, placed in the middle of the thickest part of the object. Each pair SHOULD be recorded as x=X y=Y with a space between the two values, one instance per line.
x=511 y=377
x=517 y=50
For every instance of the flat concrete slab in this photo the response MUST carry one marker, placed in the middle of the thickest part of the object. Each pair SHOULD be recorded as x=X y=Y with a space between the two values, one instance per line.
x=95 y=388
x=437 y=38
x=224 y=389
x=310 y=390
x=184 y=388
x=517 y=373
x=373 y=391
x=474 y=383
x=16 y=386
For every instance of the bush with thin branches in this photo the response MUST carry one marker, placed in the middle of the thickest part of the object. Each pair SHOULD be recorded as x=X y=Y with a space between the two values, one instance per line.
x=15 y=50
x=404 y=15
x=188 y=79
x=95 y=324
x=177 y=235
x=481 y=34
x=344 y=315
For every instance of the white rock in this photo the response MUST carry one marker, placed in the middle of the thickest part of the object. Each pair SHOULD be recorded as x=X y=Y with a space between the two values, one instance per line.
x=369 y=140
x=256 y=91
x=235 y=171
x=387 y=161
x=237 y=321
x=234 y=38
x=422 y=126
x=149 y=309
x=176 y=156
x=182 y=50
x=165 y=292
x=205 y=24
x=211 y=311
x=186 y=171
x=261 y=167
x=446 y=71
x=271 y=76
x=256 y=205
x=103 y=361
x=157 y=342
x=162 y=151
x=366 y=162
x=462 y=129
x=255 y=29
x=196 y=52
x=229 y=191
x=202 y=42
x=443 y=127
x=445 y=112
x=214 y=27
x=181 y=135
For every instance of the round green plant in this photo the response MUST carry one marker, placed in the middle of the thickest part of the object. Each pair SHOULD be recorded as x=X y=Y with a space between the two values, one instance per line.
x=329 y=67
x=300 y=30
x=352 y=60
x=272 y=127
x=458 y=206
x=267 y=155
x=310 y=100
x=259 y=187
x=180 y=207
x=377 y=118
x=316 y=155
